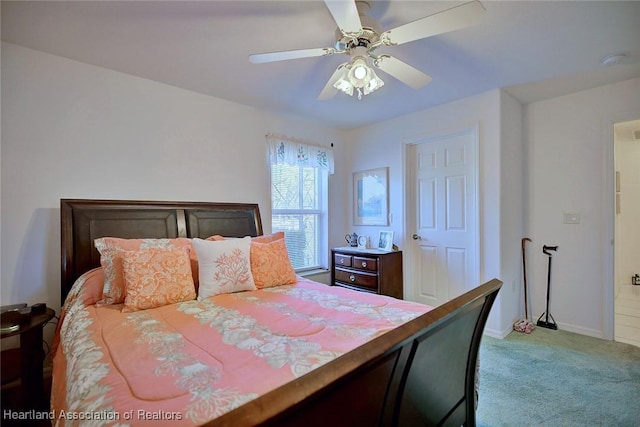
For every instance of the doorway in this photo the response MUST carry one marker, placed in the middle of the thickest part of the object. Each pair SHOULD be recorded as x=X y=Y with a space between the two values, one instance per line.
x=442 y=215
x=626 y=231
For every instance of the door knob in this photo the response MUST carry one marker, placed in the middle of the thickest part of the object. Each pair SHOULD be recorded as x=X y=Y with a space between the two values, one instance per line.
x=416 y=237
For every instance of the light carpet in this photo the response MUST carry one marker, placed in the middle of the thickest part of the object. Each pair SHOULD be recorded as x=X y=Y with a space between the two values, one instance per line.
x=558 y=378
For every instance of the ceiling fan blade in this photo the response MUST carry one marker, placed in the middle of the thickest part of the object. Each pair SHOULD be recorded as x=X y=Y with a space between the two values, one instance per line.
x=345 y=13
x=260 y=58
x=455 y=18
x=329 y=91
x=402 y=71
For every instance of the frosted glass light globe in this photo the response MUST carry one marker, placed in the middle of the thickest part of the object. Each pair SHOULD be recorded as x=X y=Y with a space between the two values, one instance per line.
x=360 y=72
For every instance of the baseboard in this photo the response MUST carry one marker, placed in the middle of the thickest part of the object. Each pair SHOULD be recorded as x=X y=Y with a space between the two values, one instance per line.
x=580 y=330
x=495 y=333
x=501 y=334
x=628 y=341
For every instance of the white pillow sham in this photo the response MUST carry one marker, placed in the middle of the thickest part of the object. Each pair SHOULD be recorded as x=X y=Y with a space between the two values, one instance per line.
x=224 y=266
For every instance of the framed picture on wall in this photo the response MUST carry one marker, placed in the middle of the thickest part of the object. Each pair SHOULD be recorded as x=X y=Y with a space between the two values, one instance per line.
x=385 y=240
x=371 y=197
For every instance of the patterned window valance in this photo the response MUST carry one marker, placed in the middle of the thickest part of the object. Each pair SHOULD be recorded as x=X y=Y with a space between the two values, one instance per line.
x=295 y=152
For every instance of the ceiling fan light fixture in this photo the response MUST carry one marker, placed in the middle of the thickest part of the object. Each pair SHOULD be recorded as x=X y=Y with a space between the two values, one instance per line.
x=374 y=84
x=344 y=86
x=359 y=36
x=359 y=72
x=360 y=76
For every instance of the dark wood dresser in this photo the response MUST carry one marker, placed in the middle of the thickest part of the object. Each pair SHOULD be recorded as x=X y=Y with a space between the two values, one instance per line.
x=367 y=270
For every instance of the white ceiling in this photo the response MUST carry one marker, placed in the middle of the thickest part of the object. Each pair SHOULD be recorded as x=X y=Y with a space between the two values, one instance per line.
x=535 y=49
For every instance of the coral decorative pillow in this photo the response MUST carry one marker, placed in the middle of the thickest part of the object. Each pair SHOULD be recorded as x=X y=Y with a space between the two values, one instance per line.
x=267 y=238
x=156 y=277
x=224 y=266
x=110 y=249
x=270 y=264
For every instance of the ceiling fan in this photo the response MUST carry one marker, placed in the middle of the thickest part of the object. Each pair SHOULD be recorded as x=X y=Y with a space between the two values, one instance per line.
x=359 y=36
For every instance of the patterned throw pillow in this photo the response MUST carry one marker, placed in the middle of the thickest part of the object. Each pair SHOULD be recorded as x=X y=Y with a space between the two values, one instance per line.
x=215 y=238
x=270 y=264
x=156 y=277
x=110 y=249
x=268 y=238
x=224 y=266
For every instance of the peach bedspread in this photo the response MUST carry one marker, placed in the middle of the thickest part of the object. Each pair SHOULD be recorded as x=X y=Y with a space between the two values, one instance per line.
x=187 y=363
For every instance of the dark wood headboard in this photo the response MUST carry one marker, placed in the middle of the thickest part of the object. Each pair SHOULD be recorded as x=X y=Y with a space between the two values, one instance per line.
x=82 y=221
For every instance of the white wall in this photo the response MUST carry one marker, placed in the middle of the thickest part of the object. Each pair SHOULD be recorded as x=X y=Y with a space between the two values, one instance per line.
x=383 y=144
x=512 y=202
x=72 y=130
x=566 y=172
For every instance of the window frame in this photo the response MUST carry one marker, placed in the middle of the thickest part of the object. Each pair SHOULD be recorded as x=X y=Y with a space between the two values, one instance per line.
x=321 y=211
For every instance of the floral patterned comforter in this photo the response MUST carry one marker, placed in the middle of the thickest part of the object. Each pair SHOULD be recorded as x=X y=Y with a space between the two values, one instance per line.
x=187 y=363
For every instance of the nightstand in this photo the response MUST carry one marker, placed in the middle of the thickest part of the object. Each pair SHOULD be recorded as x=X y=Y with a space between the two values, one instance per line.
x=26 y=361
x=368 y=270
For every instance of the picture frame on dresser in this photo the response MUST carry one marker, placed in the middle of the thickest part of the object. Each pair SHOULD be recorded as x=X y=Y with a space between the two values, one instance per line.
x=385 y=240
x=371 y=197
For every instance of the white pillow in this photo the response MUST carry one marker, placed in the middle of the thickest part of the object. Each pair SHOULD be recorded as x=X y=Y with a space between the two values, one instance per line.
x=224 y=266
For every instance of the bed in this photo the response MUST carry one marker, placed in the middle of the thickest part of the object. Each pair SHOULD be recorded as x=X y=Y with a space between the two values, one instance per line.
x=292 y=353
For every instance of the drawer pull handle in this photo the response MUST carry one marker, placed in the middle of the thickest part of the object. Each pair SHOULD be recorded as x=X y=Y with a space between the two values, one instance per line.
x=341 y=261
x=352 y=278
x=364 y=264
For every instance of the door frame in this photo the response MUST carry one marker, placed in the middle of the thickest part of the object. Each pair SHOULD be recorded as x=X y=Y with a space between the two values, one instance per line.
x=409 y=201
x=609 y=220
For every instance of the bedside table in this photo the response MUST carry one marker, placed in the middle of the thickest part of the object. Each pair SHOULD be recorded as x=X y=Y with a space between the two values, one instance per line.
x=27 y=360
x=368 y=270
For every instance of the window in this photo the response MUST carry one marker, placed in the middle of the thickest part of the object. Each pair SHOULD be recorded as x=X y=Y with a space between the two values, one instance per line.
x=299 y=209
x=299 y=200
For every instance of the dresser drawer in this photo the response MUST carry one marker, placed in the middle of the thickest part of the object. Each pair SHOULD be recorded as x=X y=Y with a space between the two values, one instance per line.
x=367 y=271
x=342 y=260
x=370 y=264
x=350 y=277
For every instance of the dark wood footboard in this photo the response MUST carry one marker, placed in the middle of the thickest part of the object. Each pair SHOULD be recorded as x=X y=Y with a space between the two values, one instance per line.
x=422 y=373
